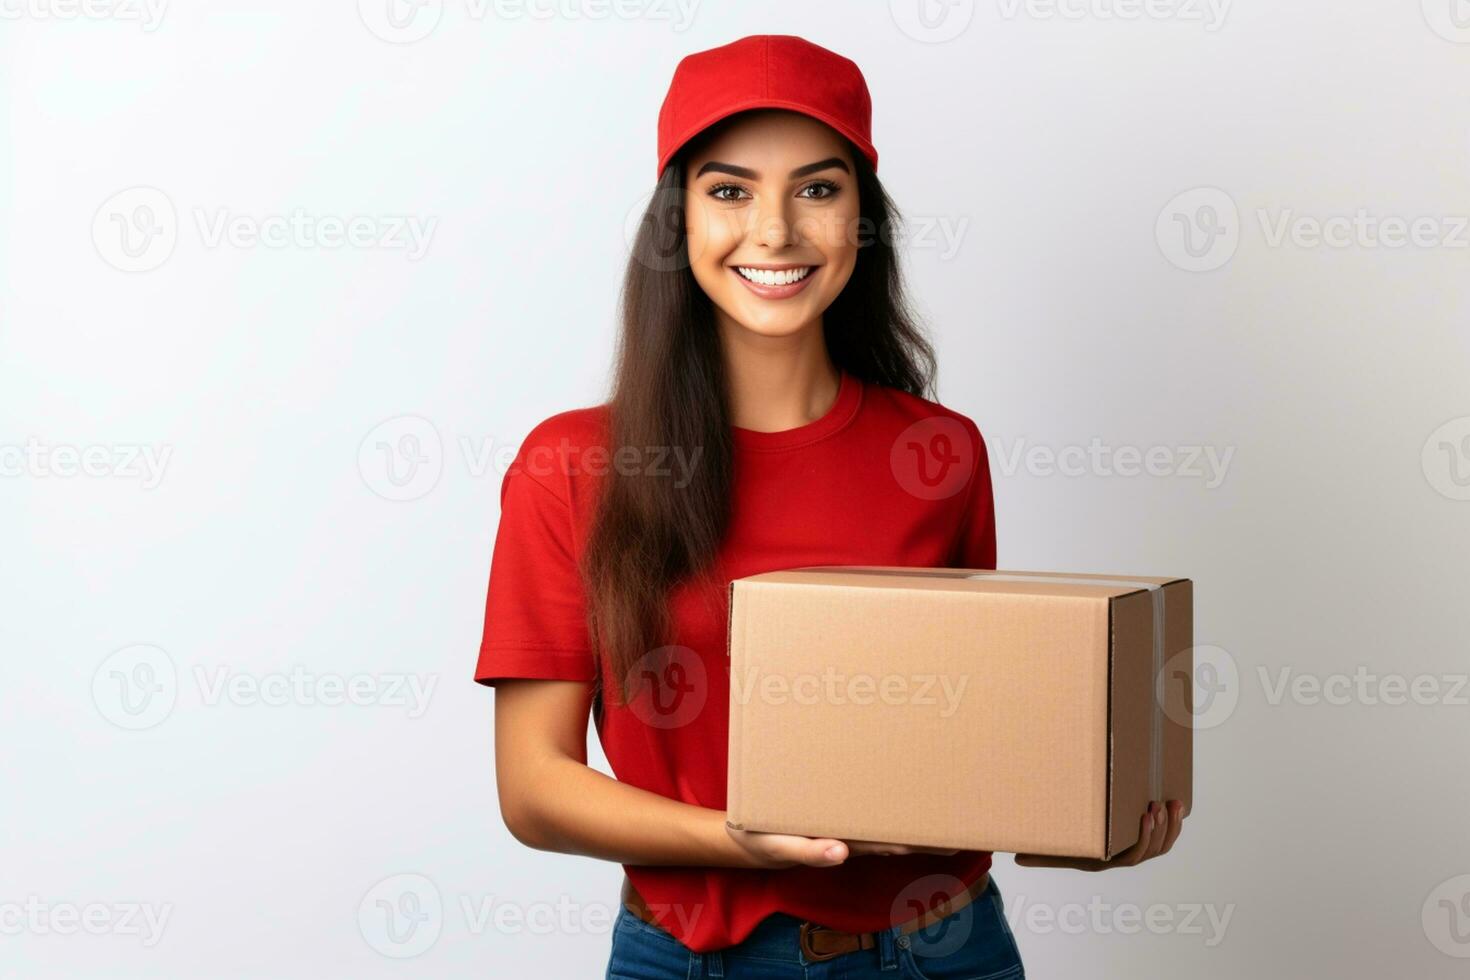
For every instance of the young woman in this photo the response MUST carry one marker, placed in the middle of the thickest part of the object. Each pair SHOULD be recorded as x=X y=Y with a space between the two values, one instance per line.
x=767 y=369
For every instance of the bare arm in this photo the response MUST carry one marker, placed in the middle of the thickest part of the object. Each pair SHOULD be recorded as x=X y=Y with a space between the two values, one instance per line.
x=552 y=800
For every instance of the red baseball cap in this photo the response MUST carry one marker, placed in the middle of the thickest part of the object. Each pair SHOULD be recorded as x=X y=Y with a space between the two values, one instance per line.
x=765 y=71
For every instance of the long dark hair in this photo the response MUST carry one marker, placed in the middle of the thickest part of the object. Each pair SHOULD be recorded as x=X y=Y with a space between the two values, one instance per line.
x=669 y=391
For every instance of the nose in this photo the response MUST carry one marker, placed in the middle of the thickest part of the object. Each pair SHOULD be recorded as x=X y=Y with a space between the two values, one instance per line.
x=773 y=227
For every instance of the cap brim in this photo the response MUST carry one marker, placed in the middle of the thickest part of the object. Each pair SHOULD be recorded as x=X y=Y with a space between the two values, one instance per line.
x=867 y=148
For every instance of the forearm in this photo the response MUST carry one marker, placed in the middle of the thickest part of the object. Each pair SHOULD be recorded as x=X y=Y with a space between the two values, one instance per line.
x=577 y=810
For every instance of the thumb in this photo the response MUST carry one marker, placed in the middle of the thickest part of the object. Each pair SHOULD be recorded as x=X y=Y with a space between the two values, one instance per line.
x=821 y=851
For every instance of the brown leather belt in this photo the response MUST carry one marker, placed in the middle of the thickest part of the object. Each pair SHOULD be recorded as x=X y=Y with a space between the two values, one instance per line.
x=819 y=942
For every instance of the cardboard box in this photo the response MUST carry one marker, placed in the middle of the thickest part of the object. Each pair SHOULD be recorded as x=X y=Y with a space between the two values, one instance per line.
x=1028 y=712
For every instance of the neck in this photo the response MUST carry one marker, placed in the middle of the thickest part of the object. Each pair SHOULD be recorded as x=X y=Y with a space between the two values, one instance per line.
x=777 y=383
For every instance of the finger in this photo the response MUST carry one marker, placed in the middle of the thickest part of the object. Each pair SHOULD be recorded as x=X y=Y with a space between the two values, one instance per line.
x=920 y=849
x=1155 y=836
x=822 y=852
x=1051 y=861
x=882 y=848
x=1176 y=824
x=1161 y=829
x=815 y=851
x=1139 y=850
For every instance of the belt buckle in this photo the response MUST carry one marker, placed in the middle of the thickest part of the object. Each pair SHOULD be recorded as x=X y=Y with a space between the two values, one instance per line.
x=804 y=939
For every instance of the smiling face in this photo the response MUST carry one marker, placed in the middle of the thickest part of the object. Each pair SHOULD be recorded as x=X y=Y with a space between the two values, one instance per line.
x=771 y=210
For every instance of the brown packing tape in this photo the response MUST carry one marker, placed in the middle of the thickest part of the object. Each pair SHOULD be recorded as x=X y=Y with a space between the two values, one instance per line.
x=1149 y=712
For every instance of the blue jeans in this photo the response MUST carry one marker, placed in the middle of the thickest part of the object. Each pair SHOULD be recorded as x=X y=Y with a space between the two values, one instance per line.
x=975 y=943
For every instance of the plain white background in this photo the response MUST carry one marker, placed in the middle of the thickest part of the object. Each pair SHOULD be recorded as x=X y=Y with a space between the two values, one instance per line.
x=251 y=469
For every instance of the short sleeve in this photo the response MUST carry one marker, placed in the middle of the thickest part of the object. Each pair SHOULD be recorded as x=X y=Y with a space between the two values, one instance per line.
x=976 y=545
x=535 y=621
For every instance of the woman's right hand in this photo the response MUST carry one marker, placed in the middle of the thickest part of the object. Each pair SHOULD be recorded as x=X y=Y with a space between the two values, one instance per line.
x=789 y=850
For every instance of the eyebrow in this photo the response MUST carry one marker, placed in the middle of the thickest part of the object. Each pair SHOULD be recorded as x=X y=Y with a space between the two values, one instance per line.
x=715 y=166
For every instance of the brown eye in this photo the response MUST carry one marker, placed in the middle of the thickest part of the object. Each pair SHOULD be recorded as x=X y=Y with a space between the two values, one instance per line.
x=726 y=192
x=819 y=190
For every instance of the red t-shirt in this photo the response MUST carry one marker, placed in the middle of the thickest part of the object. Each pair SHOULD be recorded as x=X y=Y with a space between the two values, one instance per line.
x=883 y=478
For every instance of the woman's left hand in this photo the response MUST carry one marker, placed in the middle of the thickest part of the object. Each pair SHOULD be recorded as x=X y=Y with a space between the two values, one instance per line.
x=1157 y=831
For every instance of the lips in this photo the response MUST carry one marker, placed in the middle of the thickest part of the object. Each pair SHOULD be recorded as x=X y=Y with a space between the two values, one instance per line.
x=774 y=281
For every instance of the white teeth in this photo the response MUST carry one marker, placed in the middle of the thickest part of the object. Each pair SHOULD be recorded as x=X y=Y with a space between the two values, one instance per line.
x=767 y=277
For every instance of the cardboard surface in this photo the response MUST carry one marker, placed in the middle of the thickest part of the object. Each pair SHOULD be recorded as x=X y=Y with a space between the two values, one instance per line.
x=984 y=710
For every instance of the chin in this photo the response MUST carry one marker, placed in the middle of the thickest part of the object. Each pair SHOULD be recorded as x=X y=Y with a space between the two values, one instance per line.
x=770 y=326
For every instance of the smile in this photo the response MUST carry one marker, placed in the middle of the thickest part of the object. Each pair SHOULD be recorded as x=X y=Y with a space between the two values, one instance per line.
x=774 y=277
x=775 y=283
